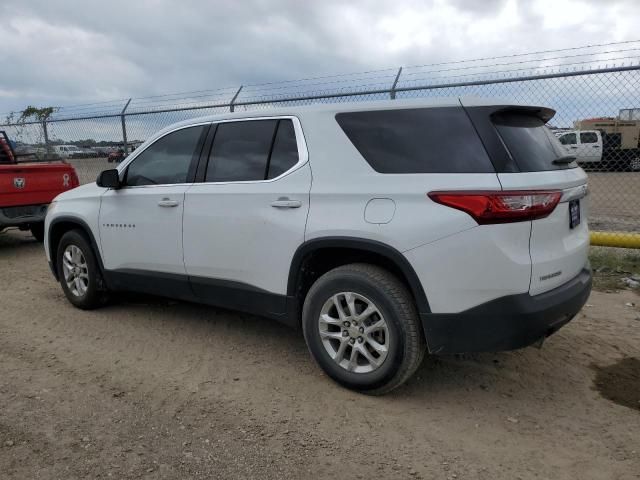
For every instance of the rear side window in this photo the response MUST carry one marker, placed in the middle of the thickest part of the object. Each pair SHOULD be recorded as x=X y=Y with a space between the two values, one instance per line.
x=252 y=150
x=530 y=143
x=166 y=161
x=588 y=137
x=568 y=139
x=240 y=151
x=285 y=150
x=422 y=140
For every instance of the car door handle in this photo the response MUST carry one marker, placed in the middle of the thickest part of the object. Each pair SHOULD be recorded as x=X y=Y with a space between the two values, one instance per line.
x=284 y=202
x=166 y=202
x=573 y=147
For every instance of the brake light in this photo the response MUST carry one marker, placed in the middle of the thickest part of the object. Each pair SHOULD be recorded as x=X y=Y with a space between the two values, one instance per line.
x=501 y=206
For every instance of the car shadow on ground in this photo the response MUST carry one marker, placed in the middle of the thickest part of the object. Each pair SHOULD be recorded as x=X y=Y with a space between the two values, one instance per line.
x=502 y=372
x=12 y=238
x=525 y=369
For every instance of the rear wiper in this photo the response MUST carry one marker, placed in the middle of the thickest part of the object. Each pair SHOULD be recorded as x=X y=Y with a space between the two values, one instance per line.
x=564 y=160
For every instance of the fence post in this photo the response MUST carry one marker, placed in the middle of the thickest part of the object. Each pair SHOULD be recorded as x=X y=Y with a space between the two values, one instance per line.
x=47 y=151
x=231 y=106
x=124 y=128
x=395 y=83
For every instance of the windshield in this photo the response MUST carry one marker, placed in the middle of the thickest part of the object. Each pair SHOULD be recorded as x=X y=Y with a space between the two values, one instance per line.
x=531 y=144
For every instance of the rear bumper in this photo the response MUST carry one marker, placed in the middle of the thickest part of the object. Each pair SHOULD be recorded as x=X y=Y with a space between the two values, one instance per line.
x=15 y=216
x=507 y=323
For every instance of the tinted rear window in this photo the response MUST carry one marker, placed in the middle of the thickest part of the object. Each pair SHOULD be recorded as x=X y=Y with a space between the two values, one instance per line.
x=424 y=140
x=240 y=151
x=588 y=137
x=530 y=143
x=284 y=154
x=568 y=139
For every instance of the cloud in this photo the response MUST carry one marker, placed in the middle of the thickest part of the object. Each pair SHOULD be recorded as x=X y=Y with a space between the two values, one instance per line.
x=60 y=53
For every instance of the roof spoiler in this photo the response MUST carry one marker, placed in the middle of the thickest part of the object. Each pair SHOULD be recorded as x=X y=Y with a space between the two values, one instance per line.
x=543 y=113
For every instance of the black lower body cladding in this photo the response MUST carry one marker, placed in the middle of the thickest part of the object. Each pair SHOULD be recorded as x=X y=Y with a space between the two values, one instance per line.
x=507 y=323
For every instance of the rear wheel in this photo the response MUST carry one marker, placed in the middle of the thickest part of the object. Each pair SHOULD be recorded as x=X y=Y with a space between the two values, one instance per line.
x=37 y=230
x=361 y=326
x=78 y=271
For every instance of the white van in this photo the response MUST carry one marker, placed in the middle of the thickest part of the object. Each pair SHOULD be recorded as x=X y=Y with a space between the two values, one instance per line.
x=65 y=151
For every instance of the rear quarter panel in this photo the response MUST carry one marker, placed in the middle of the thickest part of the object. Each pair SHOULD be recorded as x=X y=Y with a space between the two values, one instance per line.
x=459 y=264
x=344 y=183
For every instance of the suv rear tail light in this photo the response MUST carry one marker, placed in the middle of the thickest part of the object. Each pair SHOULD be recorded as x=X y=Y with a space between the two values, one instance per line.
x=501 y=207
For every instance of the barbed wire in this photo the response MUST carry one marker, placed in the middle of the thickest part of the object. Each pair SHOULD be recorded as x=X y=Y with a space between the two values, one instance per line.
x=351 y=82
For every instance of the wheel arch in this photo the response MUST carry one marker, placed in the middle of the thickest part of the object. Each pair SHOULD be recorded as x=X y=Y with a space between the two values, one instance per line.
x=61 y=225
x=354 y=249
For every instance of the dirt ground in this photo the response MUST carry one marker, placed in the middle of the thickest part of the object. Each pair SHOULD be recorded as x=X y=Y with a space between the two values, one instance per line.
x=148 y=388
x=614 y=201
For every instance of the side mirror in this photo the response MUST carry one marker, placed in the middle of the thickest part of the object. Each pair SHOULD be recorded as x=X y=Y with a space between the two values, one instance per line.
x=109 y=179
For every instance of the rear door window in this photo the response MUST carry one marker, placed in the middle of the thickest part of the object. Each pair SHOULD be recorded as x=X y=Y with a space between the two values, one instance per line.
x=588 y=137
x=421 y=140
x=240 y=151
x=568 y=139
x=530 y=143
x=285 y=150
x=252 y=150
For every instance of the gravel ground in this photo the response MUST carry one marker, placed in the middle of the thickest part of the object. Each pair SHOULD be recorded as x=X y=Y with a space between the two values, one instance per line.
x=148 y=388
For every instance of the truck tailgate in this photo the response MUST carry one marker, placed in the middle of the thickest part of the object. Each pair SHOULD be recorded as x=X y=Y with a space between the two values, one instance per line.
x=34 y=183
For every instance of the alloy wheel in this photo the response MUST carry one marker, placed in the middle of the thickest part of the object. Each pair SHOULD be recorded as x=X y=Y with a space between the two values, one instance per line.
x=75 y=270
x=353 y=332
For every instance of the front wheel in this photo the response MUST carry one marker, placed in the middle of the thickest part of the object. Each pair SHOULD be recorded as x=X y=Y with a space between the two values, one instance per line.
x=361 y=326
x=78 y=271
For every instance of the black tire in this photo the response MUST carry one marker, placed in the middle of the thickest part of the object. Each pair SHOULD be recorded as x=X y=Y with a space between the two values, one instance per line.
x=37 y=230
x=406 y=346
x=95 y=294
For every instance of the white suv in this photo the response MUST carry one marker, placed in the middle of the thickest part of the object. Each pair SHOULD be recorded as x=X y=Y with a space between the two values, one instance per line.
x=383 y=229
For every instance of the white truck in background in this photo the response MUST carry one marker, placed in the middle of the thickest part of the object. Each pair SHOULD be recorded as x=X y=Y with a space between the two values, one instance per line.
x=585 y=145
x=604 y=144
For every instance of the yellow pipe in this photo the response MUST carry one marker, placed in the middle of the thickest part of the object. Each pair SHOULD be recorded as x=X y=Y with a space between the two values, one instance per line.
x=616 y=239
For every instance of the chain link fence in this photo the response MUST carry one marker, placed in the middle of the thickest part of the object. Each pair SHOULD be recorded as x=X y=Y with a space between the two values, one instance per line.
x=597 y=121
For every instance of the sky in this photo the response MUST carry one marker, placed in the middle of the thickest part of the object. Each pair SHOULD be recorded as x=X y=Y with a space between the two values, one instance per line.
x=69 y=52
x=75 y=51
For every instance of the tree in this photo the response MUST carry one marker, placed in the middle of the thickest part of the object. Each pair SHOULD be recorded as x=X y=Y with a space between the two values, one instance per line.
x=30 y=116
x=35 y=114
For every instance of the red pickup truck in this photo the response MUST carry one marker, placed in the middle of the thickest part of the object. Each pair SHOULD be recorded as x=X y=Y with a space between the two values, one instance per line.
x=28 y=187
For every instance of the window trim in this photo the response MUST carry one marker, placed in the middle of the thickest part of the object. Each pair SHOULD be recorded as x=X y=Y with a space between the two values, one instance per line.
x=301 y=143
x=124 y=167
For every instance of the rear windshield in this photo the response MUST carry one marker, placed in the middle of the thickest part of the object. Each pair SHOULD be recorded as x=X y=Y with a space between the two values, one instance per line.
x=422 y=140
x=531 y=144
